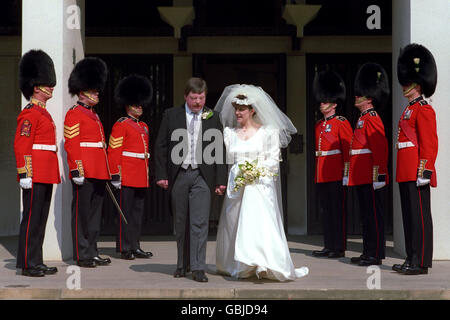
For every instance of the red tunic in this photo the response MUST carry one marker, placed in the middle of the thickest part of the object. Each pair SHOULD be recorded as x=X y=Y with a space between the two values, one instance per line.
x=85 y=144
x=333 y=136
x=369 y=151
x=35 y=145
x=128 y=152
x=417 y=143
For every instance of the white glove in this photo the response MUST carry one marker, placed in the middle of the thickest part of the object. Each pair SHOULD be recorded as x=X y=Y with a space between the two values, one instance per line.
x=116 y=184
x=378 y=185
x=422 y=182
x=26 y=183
x=345 y=181
x=78 y=180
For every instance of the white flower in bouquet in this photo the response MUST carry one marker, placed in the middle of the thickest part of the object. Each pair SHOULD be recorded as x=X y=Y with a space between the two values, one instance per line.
x=249 y=172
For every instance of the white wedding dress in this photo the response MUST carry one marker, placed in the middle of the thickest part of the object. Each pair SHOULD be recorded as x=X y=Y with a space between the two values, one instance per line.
x=250 y=237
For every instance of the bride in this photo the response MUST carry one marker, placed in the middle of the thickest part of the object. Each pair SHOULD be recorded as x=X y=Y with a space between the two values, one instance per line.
x=250 y=237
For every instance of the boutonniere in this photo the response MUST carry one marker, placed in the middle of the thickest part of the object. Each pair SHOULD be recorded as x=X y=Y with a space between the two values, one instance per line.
x=207 y=113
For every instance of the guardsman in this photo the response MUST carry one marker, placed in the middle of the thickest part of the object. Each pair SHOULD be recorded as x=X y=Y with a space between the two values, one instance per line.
x=35 y=149
x=87 y=160
x=333 y=136
x=128 y=155
x=417 y=148
x=368 y=173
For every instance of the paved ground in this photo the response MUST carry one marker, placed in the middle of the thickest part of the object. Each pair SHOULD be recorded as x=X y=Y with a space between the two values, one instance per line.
x=152 y=278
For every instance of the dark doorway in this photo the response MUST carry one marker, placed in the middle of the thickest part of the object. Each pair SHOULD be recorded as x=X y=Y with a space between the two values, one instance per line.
x=346 y=65
x=265 y=70
x=158 y=69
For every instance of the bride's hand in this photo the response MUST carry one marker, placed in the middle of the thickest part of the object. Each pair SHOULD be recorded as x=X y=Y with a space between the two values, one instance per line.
x=220 y=190
x=163 y=184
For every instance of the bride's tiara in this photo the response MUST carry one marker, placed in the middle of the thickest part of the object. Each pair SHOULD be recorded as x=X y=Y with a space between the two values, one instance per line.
x=242 y=99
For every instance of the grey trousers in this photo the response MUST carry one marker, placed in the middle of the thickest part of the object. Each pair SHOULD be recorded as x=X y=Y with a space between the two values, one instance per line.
x=191 y=200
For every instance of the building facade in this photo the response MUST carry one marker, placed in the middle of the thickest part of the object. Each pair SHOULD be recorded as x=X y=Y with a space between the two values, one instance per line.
x=278 y=45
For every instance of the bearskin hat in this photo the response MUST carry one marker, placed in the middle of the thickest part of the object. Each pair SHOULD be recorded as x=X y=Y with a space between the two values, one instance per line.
x=372 y=82
x=35 y=69
x=416 y=65
x=328 y=86
x=89 y=74
x=133 y=90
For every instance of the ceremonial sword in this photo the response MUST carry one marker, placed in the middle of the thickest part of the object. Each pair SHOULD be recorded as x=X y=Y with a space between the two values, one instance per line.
x=111 y=194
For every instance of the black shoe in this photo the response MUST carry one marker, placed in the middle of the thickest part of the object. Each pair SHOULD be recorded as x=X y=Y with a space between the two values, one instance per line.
x=179 y=273
x=369 y=261
x=414 y=270
x=336 y=254
x=101 y=261
x=46 y=269
x=357 y=260
x=321 y=253
x=139 y=253
x=401 y=267
x=33 y=272
x=127 y=255
x=88 y=263
x=199 y=276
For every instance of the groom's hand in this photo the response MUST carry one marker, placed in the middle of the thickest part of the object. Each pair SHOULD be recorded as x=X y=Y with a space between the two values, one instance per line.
x=163 y=183
x=220 y=190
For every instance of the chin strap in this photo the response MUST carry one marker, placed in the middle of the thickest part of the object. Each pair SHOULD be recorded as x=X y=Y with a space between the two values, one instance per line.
x=411 y=87
x=89 y=96
x=41 y=88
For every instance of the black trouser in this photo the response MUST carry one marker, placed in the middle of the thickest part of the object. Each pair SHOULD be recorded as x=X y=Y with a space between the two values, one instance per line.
x=87 y=205
x=131 y=202
x=371 y=210
x=332 y=209
x=417 y=223
x=36 y=204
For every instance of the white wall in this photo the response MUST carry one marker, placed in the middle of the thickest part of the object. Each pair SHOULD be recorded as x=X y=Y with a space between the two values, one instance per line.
x=436 y=37
x=59 y=39
x=427 y=22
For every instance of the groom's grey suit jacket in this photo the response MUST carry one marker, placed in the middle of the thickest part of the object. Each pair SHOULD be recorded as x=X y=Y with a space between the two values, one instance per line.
x=175 y=118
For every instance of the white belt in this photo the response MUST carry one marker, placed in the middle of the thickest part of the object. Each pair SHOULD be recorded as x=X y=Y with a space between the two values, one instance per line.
x=359 y=151
x=48 y=147
x=136 y=155
x=327 y=153
x=100 y=144
x=401 y=145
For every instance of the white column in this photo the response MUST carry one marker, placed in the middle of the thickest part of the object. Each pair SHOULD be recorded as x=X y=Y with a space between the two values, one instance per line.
x=426 y=22
x=57 y=27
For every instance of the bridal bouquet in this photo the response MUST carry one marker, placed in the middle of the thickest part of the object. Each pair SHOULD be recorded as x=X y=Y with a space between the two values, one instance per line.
x=249 y=172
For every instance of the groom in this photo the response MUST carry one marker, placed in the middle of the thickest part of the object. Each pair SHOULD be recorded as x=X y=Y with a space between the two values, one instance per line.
x=188 y=178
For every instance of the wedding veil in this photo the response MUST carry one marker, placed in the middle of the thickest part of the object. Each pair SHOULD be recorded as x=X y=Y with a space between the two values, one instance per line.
x=267 y=112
